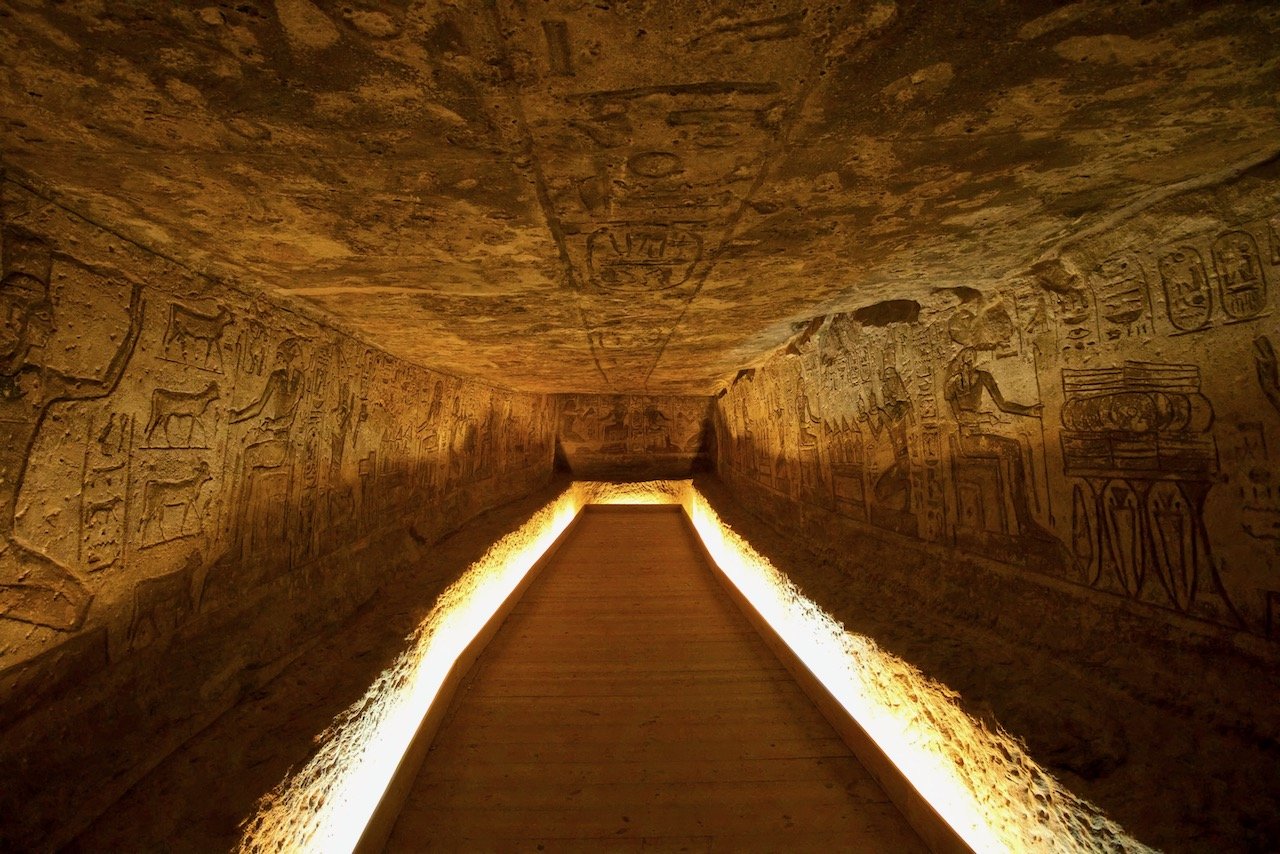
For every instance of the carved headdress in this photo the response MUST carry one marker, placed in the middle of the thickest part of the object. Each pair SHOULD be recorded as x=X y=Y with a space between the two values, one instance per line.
x=27 y=264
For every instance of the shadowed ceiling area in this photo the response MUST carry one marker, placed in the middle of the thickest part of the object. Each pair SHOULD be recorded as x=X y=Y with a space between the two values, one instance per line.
x=630 y=196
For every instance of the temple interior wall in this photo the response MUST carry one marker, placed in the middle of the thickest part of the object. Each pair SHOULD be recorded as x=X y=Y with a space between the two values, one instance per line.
x=1061 y=487
x=1077 y=472
x=194 y=484
x=633 y=437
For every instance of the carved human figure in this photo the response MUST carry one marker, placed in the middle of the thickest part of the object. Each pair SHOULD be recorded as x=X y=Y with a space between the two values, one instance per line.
x=617 y=428
x=572 y=419
x=1268 y=369
x=429 y=431
x=33 y=588
x=965 y=384
x=462 y=446
x=657 y=429
x=807 y=420
x=893 y=414
x=436 y=408
x=268 y=444
x=964 y=388
x=277 y=404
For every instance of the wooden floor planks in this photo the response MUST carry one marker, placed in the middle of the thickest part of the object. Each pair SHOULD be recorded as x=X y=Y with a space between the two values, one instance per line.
x=627 y=705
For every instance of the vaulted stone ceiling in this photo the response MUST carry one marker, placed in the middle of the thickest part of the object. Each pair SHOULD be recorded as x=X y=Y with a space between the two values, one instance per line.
x=623 y=196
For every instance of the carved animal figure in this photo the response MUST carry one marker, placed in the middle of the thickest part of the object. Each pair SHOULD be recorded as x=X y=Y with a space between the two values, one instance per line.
x=167 y=405
x=161 y=497
x=100 y=512
x=187 y=326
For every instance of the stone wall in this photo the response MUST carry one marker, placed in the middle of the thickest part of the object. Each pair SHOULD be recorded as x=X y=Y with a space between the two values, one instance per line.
x=633 y=437
x=193 y=483
x=1081 y=460
x=1060 y=494
x=1110 y=418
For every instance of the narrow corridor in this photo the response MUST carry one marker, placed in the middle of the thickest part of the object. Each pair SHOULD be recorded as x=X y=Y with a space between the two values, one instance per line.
x=625 y=705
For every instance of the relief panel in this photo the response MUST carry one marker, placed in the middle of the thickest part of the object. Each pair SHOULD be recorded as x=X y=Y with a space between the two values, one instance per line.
x=166 y=444
x=1023 y=424
x=632 y=437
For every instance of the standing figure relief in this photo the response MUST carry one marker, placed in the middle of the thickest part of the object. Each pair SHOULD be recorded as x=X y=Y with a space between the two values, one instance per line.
x=893 y=414
x=277 y=404
x=33 y=588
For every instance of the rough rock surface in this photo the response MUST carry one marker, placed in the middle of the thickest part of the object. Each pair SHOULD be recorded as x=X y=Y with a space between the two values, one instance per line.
x=624 y=197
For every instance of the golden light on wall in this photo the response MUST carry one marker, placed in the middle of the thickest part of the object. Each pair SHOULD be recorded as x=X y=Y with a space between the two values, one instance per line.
x=644 y=492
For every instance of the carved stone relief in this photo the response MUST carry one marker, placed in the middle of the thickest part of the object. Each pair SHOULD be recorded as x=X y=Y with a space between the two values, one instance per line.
x=644 y=182
x=1086 y=421
x=166 y=444
x=632 y=437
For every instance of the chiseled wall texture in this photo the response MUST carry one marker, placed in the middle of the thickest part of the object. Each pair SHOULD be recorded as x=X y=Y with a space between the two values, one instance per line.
x=191 y=484
x=1106 y=421
x=633 y=437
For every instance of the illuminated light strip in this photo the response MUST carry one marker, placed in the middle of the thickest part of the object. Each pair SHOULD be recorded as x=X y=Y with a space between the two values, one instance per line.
x=327 y=805
x=981 y=783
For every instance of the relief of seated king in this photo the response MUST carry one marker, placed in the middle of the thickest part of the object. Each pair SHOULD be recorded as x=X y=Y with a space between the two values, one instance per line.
x=965 y=388
x=33 y=588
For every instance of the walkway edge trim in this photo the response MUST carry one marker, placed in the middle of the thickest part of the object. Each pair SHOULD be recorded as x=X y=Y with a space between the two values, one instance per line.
x=933 y=830
x=378 y=830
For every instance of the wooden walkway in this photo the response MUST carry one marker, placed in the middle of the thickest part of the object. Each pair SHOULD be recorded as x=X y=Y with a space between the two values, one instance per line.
x=626 y=705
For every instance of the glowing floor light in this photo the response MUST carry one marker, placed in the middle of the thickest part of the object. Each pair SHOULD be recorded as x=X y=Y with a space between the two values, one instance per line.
x=326 y=806
x=981 y=782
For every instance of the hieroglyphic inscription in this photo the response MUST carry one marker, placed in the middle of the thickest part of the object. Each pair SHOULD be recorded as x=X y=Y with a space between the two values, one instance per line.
x=104 y=506
x=942 y=424
x=642 y=258
x=1121 y=287
x=642 y=181
x=654 y=436
x=189 y=445
x=1188 y=296
x=1223 y=280
x=1240 y=276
